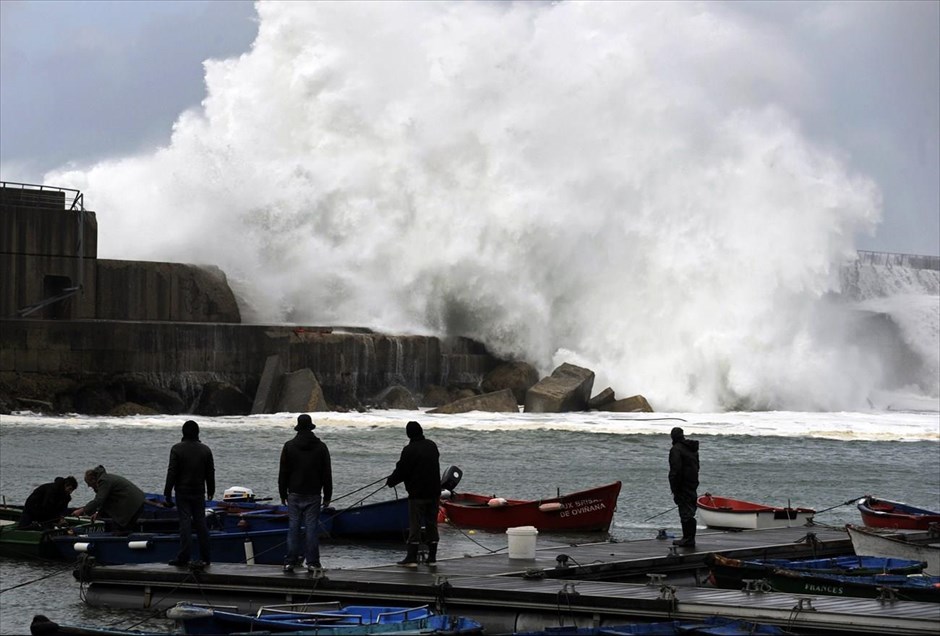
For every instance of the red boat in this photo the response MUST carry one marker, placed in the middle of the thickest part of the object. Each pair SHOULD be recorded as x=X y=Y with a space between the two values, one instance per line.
x=883 y=513
x=723 y=512
x=586 y=511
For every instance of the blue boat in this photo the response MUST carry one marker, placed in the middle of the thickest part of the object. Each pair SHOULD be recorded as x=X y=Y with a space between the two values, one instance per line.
x=730 y=574
x=382 y=520
x=320 y=618
x=712 y=625
x=262 y=547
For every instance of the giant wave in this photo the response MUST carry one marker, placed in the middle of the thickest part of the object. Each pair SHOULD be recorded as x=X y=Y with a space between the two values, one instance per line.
x=615 y=185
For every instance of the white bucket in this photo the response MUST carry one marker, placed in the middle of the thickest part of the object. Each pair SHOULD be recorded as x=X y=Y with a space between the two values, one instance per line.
x=522 y=542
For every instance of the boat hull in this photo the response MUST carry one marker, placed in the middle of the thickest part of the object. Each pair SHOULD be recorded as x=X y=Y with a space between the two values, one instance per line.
x=585 y=511
x=37 y=543
x=883 y=513
x=735 y=514
x=868 y=542
x=264 y=547
x=731 y=574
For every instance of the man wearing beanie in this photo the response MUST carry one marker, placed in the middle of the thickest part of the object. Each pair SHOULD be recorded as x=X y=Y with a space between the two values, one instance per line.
x=683 y=481
x=191 y=473
x=305 y=472
x=420 y=469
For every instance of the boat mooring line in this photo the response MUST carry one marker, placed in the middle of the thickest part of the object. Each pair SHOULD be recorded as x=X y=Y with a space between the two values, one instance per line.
x=41 y=578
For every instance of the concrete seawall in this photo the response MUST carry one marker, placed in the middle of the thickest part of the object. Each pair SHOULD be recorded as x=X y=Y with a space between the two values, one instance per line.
x=182 y=356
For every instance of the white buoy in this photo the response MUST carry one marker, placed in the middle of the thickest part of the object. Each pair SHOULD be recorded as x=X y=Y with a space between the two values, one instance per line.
x=81 y=547
x=249 y=552
x=138 y=545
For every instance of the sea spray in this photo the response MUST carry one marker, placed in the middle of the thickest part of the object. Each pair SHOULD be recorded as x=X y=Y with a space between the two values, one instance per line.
x=613 y=183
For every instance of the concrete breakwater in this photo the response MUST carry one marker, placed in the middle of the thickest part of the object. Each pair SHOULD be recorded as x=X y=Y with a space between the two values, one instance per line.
x=48 y=364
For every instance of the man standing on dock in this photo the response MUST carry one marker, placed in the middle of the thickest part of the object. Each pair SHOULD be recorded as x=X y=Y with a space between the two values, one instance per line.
x=305 y=472
x=683 y=481
x=419 y=467
x=191 y=473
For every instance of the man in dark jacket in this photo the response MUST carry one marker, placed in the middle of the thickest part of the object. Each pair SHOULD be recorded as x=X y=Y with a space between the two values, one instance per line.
x=304 y=473
x=419 y=467
x=683 y=481
x=191 y=473
x=116 y=496
x=48 y=502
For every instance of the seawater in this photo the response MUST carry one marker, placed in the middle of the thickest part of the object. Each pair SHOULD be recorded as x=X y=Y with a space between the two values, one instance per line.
x=819 y=460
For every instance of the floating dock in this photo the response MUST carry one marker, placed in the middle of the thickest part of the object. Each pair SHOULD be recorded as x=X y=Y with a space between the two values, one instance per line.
x=585 y=585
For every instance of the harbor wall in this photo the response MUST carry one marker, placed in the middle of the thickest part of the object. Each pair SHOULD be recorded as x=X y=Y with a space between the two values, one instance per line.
x=182 y=356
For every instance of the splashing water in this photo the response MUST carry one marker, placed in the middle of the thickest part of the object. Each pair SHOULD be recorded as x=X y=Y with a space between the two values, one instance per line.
x=610 y=184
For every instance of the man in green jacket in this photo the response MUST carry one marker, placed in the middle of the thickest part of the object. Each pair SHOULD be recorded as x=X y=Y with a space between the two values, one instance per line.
x=115 y=496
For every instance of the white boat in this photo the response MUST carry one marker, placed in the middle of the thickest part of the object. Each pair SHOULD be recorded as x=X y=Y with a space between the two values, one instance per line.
x=879 y=543
x=723 y=512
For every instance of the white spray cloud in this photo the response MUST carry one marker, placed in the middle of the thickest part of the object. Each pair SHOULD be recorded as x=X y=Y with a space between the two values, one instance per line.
x=613 y=183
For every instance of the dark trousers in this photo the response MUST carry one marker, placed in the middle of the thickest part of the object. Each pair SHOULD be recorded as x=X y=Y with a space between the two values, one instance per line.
x=192 y=511
x=686 y=502
x=423 y=512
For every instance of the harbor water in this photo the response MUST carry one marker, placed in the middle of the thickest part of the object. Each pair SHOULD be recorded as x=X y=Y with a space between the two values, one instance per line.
x=819 y=460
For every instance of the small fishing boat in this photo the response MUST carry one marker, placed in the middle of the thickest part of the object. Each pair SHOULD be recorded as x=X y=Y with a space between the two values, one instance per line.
x=323 y=619
x=884 y=513
x=917 y=587
x=262 y=546
x=585 y=511
x=877 y=542
x=379 y=520
x=710 y=625
x=723 y=512
x=35 y=541
x=731 y=574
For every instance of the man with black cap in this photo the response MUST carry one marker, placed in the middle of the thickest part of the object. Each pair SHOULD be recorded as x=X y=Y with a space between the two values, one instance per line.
x=683 y=481
x=419 y=467
x=305 y=472
x=191 y=473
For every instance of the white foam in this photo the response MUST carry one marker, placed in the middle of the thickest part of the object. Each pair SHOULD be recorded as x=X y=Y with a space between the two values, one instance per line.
x=612 y=183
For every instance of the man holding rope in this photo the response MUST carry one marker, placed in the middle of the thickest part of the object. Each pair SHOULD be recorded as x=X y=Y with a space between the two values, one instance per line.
x=419 y=467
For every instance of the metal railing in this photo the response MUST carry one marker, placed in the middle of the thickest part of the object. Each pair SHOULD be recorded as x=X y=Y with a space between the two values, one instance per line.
x=911 y=261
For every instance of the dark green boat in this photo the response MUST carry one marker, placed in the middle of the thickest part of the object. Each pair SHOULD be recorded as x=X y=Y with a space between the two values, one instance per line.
x=35 y=542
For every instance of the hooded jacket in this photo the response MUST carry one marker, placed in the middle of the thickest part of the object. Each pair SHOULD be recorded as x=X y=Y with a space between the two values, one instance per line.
x=48 y=501
x=191 y=470
x=305 y=467
x=419 y=467
x=683 y=466
x=116 y=496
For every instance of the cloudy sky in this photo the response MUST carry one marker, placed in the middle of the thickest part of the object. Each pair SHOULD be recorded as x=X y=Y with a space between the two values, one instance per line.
x=82 y=82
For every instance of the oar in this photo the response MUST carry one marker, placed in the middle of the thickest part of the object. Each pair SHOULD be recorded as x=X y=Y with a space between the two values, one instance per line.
x=844 y=503
x=659 y=514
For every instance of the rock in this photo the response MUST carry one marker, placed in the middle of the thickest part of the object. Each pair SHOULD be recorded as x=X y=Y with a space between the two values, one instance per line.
x=131 y=408
x=396 y=397
x=436 y=395
x=266 y=394
x=300 y=393
x=568 y=388
x=634 y=404
x=156 y=399
x=95 y=399
x=503 y=401
x=604 y=397
x=221 y=398
x=519 y=377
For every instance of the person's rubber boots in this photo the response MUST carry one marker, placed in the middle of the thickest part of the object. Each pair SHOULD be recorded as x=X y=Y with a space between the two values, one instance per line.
x=688 y=534
x=411 y=559
x=432 y=555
